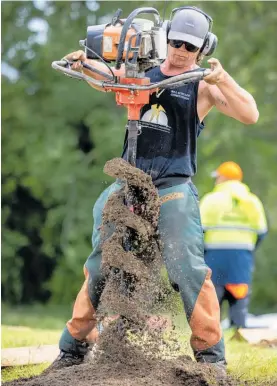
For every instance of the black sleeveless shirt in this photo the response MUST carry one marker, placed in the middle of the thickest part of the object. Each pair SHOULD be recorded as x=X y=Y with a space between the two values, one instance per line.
x=170 y=127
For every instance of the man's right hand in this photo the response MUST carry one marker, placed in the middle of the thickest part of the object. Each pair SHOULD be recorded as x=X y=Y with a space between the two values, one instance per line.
x=77 y=57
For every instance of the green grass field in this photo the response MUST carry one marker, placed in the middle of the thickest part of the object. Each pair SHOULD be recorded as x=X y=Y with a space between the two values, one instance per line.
x=245 y=362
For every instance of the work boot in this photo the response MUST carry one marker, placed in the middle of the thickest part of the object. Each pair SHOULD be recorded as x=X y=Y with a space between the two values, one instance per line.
x=215 y=358
x=66 y=359
x=220 y=369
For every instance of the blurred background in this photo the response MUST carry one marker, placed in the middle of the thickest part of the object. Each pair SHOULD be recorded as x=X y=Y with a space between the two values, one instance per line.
x=57 y=134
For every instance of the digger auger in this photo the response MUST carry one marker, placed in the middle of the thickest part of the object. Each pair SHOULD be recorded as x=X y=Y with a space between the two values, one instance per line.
x=130 y=254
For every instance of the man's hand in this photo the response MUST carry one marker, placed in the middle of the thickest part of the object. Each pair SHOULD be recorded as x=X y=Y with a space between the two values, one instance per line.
x=77 y=57
x=228 y=97
x=218 y=74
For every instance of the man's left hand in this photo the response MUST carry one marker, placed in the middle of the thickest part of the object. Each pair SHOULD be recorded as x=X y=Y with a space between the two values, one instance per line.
x=218 y=74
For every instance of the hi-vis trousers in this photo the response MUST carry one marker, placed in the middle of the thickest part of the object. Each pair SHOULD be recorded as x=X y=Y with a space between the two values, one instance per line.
x=183 y=254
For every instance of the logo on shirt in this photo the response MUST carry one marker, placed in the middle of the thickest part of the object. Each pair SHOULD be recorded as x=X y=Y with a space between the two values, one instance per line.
x=155 y=115
x=180 y=94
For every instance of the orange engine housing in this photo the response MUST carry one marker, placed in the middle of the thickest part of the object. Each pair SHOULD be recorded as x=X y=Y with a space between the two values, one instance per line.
x=111 y=38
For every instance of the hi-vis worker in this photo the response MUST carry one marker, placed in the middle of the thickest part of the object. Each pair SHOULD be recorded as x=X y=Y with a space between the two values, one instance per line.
x=234 y=223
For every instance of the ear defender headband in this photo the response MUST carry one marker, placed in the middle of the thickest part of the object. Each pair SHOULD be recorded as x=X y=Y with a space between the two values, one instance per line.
x=210 y=40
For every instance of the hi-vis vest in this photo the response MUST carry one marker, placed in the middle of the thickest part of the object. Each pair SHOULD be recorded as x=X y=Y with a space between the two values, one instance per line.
x=232 y=217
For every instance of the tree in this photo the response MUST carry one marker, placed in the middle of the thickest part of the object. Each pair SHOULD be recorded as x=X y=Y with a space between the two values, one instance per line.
x=57 y=134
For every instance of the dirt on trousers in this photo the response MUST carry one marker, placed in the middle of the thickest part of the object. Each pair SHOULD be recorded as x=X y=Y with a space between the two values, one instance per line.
x=128 y=352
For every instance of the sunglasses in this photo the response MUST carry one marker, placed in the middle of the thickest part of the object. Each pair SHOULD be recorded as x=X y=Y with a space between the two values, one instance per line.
x=178 y=44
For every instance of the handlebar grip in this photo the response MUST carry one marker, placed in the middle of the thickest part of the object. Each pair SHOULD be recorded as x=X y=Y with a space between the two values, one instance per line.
x=64 y=67
x=59 y=63
x=207 y=72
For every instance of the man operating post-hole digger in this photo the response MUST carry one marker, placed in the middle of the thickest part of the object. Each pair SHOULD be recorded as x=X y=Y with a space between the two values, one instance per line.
x=166 y=150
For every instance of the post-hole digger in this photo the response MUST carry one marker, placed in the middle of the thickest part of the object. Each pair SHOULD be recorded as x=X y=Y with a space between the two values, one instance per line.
x=140 y=44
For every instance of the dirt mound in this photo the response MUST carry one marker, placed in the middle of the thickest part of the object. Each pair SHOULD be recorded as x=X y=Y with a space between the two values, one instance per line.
x=115 y=373
x=129 y=353
x=127 y=362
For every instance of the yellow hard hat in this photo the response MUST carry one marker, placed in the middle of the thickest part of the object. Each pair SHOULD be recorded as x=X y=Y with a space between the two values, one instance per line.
x=230 y=170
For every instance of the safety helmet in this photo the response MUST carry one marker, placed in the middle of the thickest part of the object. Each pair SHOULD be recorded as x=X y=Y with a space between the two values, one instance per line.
x=230 y=170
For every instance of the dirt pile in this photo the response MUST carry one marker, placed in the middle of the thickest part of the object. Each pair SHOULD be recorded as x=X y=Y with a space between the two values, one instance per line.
x=128 y=352
x=127 y=362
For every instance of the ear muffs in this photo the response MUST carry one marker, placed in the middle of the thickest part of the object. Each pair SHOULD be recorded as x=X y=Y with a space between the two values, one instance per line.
x=209 y=45
x=211 y=40
x=166 y=26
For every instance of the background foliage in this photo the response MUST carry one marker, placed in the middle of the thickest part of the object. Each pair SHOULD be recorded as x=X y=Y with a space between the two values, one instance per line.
x=57 y=134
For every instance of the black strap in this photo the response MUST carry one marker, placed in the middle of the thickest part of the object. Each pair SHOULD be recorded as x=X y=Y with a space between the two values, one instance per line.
x=168 y=182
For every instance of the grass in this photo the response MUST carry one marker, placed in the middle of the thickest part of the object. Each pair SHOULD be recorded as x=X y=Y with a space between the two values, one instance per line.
x=26 y=336
x=9 y=374
x=50 y=320
x=255 y=364
x=246 y=362
x=36 y=316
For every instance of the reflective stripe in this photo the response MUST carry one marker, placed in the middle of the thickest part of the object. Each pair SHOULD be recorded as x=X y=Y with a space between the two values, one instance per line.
x=262 y=231
x=224 y=245
x=234 y=238
x=236 y=227
x=231 y=227
x=239 y=291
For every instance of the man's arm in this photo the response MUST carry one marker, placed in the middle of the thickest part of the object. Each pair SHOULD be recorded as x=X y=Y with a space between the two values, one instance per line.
x=80 y=56
x=227 y=96
x=260 y=239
